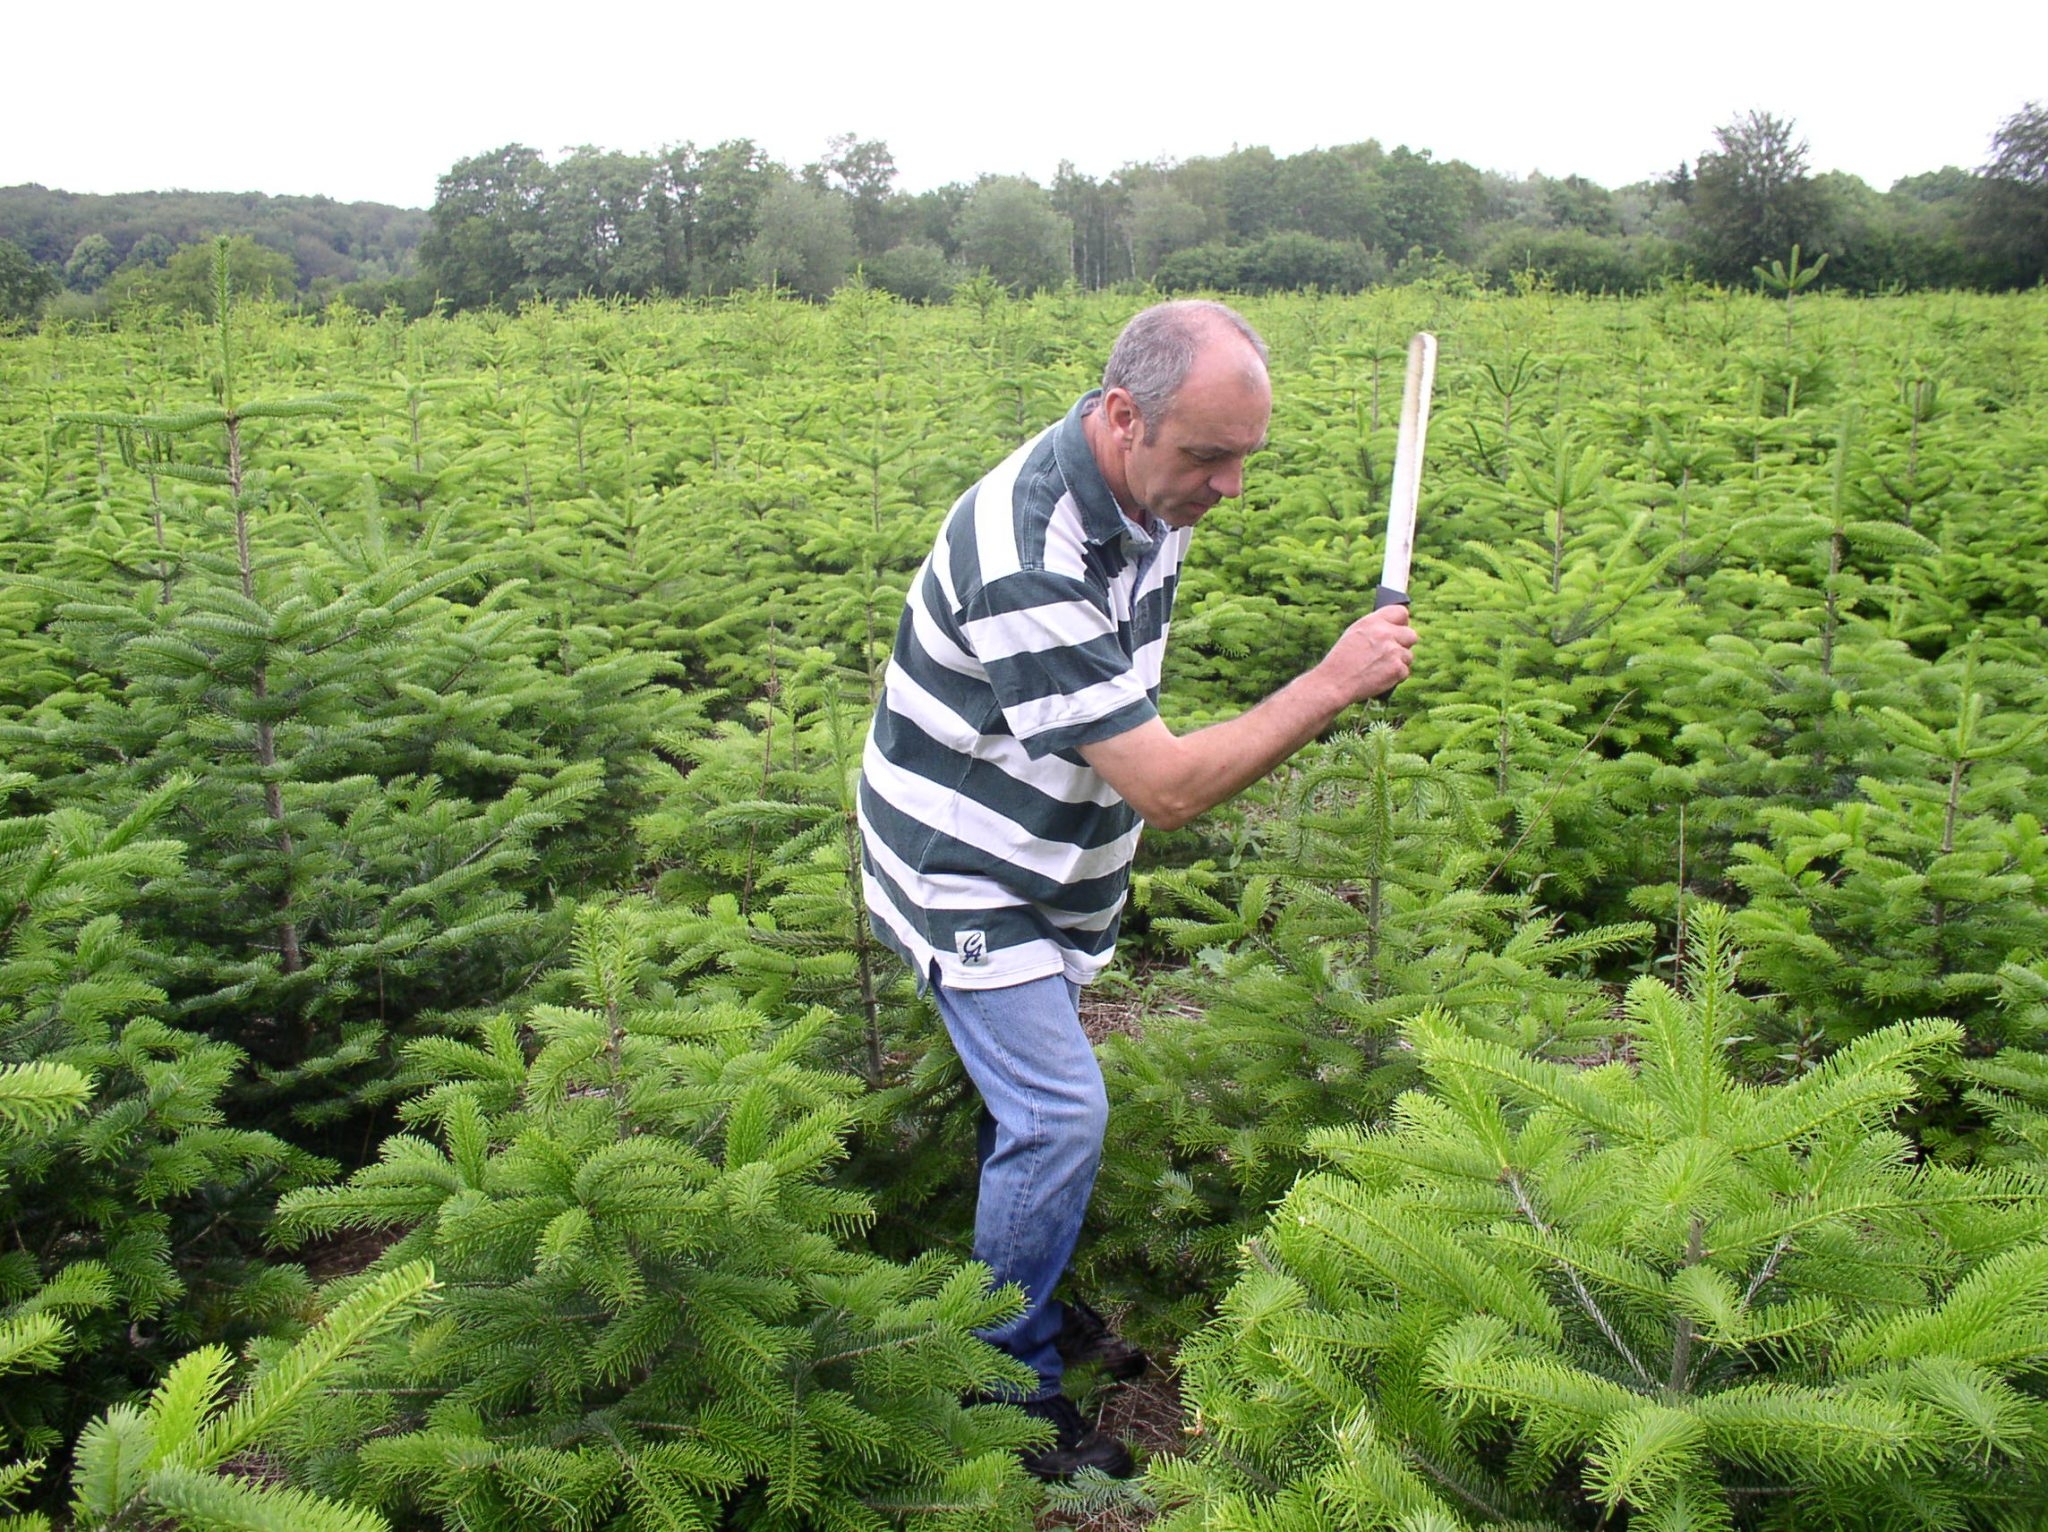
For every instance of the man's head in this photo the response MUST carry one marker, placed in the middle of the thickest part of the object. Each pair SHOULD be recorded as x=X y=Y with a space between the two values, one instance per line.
x=1185 y=401
x=1153 y=355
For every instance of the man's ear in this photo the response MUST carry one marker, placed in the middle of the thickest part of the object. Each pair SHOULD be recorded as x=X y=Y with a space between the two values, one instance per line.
x=1120 y=414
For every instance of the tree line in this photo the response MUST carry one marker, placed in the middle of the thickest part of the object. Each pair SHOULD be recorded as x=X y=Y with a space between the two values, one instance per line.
x=507 y=226
x=84 y=253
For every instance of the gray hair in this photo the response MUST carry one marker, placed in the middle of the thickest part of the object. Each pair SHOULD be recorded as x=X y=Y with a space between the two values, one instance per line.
x=1153 y=356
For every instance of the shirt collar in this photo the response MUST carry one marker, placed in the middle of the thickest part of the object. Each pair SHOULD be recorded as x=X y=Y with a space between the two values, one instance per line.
x=1102 y=519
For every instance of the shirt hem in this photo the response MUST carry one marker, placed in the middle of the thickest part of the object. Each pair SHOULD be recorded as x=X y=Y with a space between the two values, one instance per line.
x=981 y=978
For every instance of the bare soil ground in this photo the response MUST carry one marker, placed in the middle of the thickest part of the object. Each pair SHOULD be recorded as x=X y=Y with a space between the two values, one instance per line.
x=1146 y=1415
x=1125 y=1011
x=343 y=1254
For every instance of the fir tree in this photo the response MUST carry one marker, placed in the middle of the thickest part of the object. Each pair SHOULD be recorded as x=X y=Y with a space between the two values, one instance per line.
x=2010 y=1088
x=172 y=1456
x=759 y=837
x=653 y=1317
x=35 y=1316
x=1909 y=898
x=382 y=770
x=1554 y=1295
x=128 y=1203
x=1365 y=903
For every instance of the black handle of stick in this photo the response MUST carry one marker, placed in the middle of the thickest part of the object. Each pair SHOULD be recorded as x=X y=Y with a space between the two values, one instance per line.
x=1384 y=596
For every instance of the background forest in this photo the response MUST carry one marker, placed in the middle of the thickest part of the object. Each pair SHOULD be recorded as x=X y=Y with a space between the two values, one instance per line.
x=446 y=1079
x=507 y=226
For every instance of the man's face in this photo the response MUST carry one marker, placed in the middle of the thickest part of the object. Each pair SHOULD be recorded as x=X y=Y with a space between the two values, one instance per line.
x=1185 y=463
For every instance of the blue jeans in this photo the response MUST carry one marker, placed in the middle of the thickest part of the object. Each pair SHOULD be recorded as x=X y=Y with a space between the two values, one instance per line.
x=1043 y=1116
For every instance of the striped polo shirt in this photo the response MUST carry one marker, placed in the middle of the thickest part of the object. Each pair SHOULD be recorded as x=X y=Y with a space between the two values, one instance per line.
x=1037 y=625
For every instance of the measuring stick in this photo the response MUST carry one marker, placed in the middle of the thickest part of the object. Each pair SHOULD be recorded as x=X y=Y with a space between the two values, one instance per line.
x=1408 y=447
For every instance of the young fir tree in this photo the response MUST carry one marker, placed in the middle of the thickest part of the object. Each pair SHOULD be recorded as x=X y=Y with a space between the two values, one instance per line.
x=759 y=839
x=1639 y=1292
x=35 y=1316
x=1571 y=817
x=763 y=830
x=1778 y=706
x=378 y=757
x=128 y=1217
x=1562 y=592
x=654 y=1317
x=1909 y=898
x=1556 y=575
x=1685 y=500
x=2010 y=1088
x=141 y=1465
x=1365 y=903
x=174 y=1458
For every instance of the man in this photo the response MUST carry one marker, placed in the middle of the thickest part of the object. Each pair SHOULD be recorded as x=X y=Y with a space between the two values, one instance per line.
x=1017 y=753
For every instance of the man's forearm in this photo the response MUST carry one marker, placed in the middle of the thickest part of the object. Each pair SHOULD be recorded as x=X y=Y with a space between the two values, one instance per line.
x=1193 y=773
x=1170 y=780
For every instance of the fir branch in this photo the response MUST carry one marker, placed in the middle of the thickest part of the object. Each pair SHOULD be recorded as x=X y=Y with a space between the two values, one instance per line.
x=1681 y=1346
x=1579 y=1289
x=1454 y=1484
x=1563 y=776
x=1768 y=1270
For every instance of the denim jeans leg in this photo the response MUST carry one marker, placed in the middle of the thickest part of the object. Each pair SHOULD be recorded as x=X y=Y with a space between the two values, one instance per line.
x=1041 y=1141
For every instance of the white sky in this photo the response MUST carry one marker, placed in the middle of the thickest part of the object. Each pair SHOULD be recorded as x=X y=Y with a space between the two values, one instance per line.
x=373 y=100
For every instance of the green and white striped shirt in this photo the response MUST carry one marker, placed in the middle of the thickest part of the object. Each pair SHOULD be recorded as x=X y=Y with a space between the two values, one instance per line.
x=1036 y=625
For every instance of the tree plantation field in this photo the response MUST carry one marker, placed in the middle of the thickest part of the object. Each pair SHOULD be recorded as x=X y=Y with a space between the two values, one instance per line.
x=446 y=1079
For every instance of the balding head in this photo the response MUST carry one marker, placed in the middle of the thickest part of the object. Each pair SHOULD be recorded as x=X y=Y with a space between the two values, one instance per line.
x=1158 y=349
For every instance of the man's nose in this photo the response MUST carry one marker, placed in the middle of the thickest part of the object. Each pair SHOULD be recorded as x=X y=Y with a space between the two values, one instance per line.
x=1228 y=481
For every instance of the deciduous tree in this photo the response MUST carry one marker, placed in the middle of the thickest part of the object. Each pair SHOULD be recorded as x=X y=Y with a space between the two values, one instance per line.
x=2009 y=221
x=1426 y=205
x=803 y=240
x=916 y=270
x=731 y=179
x=1752 y=197
x=864 y=170
x=594 y=231
x=188 y=280
x=1251 y=192
x=1094 y=210
x=482 y=208
x=92 y=261
x=1159 y=221
x=1325 y=193
x=1576 y=203
x=1009 y=226
x=23 y=284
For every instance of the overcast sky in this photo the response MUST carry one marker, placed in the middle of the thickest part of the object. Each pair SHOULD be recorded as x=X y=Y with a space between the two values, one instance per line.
x=374 y=100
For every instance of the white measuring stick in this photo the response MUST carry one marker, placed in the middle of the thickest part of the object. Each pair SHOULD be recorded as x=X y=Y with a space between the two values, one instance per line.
x=1408 y=448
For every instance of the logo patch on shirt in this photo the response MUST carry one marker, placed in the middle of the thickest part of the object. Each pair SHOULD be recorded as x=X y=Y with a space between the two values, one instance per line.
x=972 y=947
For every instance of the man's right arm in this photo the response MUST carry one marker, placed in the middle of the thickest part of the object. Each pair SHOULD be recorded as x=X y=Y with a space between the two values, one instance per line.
x=1170 y=779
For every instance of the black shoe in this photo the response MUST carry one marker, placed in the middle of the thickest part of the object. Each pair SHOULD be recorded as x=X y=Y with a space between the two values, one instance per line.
x=1086 y=1340
x=1078 y=1445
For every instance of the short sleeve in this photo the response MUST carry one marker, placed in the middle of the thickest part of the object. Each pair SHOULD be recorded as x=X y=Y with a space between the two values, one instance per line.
x=1055 y=660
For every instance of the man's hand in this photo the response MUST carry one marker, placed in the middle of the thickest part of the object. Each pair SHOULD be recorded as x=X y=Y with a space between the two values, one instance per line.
x=1170 y=779
x=1374 y=655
